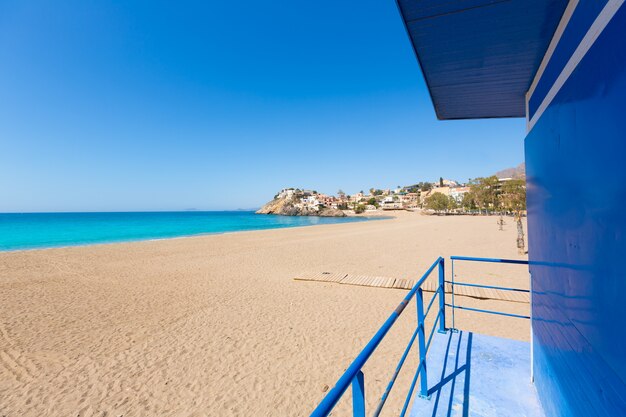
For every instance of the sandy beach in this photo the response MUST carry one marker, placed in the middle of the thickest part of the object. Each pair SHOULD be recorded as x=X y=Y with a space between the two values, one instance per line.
x=216 y=325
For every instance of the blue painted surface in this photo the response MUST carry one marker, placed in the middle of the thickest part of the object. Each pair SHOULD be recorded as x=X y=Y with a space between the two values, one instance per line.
x=584 y=15
x=576 y=175
x=480 y=376
x=575 y=162
x=474 y=73
x=505 y=358
x=358 y=395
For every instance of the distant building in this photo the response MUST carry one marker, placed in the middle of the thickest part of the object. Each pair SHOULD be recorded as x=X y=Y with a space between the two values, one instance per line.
x=327 y=200
x=310 y=202
x=410 y=200
x=391 y=203
x=355 y=198
x=286 y=193
x=457 y=193
x=443 y=190
x=501 y=181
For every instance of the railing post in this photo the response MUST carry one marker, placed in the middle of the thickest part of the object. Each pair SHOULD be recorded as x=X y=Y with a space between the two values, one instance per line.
x=442 y=295
x=454 y=330
x=358 y=395
x=422 y=343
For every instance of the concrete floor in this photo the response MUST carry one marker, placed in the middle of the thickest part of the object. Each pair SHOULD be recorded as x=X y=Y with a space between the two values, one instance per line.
x=475 y=375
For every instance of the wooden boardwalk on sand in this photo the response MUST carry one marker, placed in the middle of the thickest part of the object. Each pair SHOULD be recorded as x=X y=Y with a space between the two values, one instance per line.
x=406 y=284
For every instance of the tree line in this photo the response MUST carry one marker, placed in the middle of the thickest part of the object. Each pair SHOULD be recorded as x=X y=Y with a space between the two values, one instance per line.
x=486 y=195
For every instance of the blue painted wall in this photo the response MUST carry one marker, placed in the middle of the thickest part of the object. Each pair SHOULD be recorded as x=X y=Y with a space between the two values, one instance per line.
x=581 y=20
x=576 y=173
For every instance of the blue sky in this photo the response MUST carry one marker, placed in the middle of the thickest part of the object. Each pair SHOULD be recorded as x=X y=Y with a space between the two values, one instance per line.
x=160 y=105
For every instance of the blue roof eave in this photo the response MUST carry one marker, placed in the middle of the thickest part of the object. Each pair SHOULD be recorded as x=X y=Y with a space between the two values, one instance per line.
x=478 y=57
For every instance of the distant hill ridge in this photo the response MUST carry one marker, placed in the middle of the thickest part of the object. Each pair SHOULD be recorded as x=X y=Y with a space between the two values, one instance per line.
x=516 y=172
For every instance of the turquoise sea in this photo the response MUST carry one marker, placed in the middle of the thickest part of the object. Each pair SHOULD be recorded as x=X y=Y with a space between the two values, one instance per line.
x=45 y=230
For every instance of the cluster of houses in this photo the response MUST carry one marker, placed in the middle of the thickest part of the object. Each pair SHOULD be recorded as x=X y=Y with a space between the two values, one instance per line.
x=402 y=198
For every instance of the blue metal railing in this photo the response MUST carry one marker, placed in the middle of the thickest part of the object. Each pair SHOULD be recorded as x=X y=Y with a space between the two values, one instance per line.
x=353 y=376
x=453 y=283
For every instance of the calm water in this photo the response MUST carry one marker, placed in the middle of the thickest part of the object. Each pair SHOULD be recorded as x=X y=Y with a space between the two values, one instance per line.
x=44 y=230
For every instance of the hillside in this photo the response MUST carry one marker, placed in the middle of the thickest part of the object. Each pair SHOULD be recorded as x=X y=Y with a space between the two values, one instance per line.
x=516 y=172
x=290 y=202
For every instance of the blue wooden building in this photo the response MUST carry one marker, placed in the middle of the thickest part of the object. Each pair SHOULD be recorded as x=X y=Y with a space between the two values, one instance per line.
x=562 y=65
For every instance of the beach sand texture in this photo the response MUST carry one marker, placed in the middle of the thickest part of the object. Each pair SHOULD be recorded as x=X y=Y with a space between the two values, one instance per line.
x=216 y=325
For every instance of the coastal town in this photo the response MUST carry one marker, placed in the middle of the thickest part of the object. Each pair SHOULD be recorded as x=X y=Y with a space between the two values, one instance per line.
x=485 y=195
x=490 y=194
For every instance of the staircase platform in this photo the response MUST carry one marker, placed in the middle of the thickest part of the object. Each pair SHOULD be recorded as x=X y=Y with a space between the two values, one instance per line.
x=475 y=375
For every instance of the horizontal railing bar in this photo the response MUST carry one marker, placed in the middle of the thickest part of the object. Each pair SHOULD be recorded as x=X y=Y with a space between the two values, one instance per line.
x=496 y=260
x=488 y=311
x=467 y=284
x=383 y=399
x=333 y=396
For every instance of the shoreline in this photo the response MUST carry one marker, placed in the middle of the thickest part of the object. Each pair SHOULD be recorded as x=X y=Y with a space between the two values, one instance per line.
x=139 y=240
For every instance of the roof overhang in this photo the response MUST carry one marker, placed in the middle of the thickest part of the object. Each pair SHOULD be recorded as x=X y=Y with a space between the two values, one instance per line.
x=479 y=57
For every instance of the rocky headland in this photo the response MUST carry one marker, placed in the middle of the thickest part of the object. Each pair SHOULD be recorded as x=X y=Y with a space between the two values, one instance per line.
x=292 y=202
